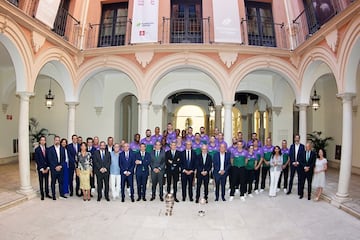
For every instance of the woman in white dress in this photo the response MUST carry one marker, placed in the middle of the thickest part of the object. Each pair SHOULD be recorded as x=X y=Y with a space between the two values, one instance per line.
x=319 y=174
x=276 y=162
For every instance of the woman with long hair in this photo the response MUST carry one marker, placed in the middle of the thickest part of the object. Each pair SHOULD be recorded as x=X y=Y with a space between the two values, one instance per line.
x=65 y=168
x=276 y=162
x=319 y=173
x=84 y=170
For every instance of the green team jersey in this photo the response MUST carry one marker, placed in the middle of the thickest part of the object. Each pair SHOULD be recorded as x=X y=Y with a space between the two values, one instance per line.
x=239 y=161
x=212 y=153
x=285 y=157
x=251 y=162
x=267 y=154
x=197 y=151
x=149 y=148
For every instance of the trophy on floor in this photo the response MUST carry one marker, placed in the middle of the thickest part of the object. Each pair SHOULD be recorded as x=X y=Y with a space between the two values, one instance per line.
x=169 y=203
x=202 y=203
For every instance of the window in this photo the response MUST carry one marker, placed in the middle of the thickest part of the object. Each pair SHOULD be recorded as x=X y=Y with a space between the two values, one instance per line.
x=113 y=24
x=186 y=21
x=61 y=17
x=260 y=24
x=318 y=12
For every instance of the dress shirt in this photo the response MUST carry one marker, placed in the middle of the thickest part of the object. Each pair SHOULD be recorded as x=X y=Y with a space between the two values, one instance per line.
x=222 y=161
x=296 y=150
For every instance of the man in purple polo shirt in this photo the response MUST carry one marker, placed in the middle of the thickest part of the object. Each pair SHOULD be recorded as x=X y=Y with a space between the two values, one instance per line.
x=203 y=137
x=148 y=141
x=171 y=134
x=267 y=149
x=135 y=145
x=238 y=160
x=157 y=136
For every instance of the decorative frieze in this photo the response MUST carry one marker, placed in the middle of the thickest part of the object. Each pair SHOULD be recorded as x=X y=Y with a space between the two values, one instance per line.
x=228 y=58
x=144 y=58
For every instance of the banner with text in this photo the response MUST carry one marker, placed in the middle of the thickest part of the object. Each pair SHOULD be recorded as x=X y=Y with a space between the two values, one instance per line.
x=226 y=21
x=145 y=21
x=47 y=11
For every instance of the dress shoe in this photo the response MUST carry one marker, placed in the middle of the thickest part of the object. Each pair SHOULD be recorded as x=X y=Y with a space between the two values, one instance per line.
x=77 y=194
x=309 y=197
x=152 y=198
x=91 y=195
x=288 y=193
x=138 y=199
x=176 y=200
x=122 y=200
x=206 y=201
x=216 y=199
x=48 y=196
x=98 y=199
x=300 y=197
x=132 y=200
x=183 y=199
x=107 y=199
x=71 y=194
x=161 y=199
x=42 y=198
x=63 y=196
x=191 y=200
x=144 y=199
x=54 y=198
x=224 y=200
x=196 y=201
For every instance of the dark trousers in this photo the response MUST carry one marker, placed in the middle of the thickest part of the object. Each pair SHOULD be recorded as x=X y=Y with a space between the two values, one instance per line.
x=172 y=177
x=220 y=181
x=303 y=177
x=249 y=179
x=202 y=180
x=264 y=172
x=238 y=178
x=102 y=181
x=141 y=181
x=230 y=176
x=292 y=175
x=285 y=173
x=43 y=178
x=257 y=178
x=92 y=181
x=187 y=180
x=56 y=176
x=71 y=179
x=157 y=178
x=130 y=182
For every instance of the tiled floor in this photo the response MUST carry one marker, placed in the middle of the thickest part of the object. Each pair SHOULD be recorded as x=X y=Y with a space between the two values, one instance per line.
x=260 y=217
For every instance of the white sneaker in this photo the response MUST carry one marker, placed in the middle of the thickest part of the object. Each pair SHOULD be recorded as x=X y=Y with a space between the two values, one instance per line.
x=237 y=191
x=256 y=191
x=285 y=190
x=231 y=198
x=242 y=198
x=250 y=195
x=93 y=191
x=278 y=190
x=261 y=190
x=245 y=195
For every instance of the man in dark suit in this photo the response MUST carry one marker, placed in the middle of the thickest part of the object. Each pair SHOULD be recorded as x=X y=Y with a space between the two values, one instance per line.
x=157 y=166
x=172 y=168
x=101 y=166
x=296 y=155
x=307 y=167
x=91 y=149
x=142 y=162
x=73 y=148
x=127 y=166
x=203 y=168
x=188 y=165
x=55 y=159
x=42 y=167
x=221 y=170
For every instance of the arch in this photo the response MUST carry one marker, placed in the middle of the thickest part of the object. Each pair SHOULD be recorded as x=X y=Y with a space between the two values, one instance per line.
x=349 y=57
x=55 y=63
x=14 y=40
x=316 y=63
x=195 y=80
x=101 y=64
x=267 y=63
x=195 y=61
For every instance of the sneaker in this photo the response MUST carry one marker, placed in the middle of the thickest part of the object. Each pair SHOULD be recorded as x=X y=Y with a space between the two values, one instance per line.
x=242 y=198
x=278 y=190
x=250 y=195
x=261 y=190
x=285 y=190
x=256 y=191
x=237 y=191
x=245 y=195
x=231 y=198
x=93 y=191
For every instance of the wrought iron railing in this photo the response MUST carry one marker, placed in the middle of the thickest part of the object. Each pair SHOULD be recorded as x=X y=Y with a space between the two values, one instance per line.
x=106 y=35
x=14 y=2
x=67 y=26
x=185 y=30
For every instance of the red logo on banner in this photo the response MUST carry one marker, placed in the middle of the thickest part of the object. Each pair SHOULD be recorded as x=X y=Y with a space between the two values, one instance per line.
x=141 y=33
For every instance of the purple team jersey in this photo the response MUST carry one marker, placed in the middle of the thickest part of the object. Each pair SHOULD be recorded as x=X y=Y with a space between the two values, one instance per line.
x=156 y=138
x=134 y=146
x=170 y=137
x=204 y=139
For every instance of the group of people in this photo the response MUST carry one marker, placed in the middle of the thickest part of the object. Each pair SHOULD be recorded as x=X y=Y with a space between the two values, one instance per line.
x=194 y=159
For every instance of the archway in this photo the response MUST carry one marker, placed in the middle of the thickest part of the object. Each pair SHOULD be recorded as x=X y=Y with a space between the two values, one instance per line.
x=190 y=116
x=126 y=117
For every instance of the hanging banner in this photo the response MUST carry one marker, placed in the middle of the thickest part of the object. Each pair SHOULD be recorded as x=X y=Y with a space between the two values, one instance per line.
x=226 y=21
x=145 y=21
x=47 y=11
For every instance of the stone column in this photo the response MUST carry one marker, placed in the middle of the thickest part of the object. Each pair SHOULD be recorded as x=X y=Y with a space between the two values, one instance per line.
x=244 y=120
x=71 y=118
x=342 y=194
x=144 y=115
x=218 y=117
x=262 y=108
x=24 y=153
x=228 y=121
x=302 y=122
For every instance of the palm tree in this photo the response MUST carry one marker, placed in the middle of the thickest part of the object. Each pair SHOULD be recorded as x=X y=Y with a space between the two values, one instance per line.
x=36 y=134
x=318 y=142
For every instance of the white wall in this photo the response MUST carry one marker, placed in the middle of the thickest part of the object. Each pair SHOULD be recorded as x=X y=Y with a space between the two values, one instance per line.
x=356 y=125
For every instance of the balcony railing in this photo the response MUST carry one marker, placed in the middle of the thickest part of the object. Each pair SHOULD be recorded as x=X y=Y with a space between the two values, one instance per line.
x=14 y=2
x=68 y=27
x=267 y=34
x=106 y=35
x=185 y=30
x=310 y=20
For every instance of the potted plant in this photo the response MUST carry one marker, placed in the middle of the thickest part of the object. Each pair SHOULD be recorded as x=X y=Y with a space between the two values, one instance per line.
x=318 y=141
x=35 y=133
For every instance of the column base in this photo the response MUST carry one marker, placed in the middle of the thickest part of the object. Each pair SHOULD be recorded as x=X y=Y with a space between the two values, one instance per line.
x=340 y=199
x=28 y=191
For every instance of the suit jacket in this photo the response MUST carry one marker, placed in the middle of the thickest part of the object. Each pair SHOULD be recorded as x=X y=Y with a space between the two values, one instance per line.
x=127 y=164
x=99 y=163
x=52 y=158
x=158 y=162
x=217 y=164
x=200 y=166
x=310 y=163
x=92 y=150
x=300 y=155
x=142 y=168
x=184 y=163
x=40 y=159
x=72 y=154
x=174 y=166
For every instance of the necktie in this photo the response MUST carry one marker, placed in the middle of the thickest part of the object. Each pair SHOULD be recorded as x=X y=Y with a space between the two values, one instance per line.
x=173 y=154
x=307 y=156
x=157 y=154
x=127 y=155
x=102 y=155
x=188 y=158
x=43 y=150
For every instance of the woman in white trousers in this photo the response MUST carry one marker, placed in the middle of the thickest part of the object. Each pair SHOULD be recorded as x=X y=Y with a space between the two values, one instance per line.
x=276 y=162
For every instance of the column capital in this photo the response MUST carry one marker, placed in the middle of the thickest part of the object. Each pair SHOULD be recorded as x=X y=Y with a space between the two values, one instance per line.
x=276 y=110
x=218 y=107
x=144 y=103
x=72 y=104
x=229 y=104
x=157 y=108
x=302 y=106
x=346 y=97
x=25 y=94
